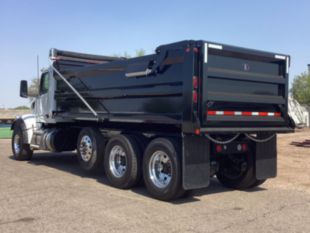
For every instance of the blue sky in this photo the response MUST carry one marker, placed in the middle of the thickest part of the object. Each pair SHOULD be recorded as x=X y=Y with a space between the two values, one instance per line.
x=31 y=28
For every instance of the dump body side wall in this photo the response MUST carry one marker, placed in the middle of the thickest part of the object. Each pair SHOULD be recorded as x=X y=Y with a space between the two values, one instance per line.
x=155 y=98
x=165 y=95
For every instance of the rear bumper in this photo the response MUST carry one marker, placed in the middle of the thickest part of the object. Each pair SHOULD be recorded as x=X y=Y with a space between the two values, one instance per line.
x=247 y=130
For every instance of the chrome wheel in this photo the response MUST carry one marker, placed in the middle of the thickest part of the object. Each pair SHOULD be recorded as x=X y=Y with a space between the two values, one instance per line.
x=16 y=144
x=160 y=169
x=86 y=148
x=117 y=161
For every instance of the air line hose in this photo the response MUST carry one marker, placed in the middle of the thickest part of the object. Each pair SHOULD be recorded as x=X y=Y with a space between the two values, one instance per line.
x=259 y=140
x=222 y=142
x=254 y=139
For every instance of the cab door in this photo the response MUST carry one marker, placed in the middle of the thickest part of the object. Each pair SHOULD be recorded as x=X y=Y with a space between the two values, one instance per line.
x=42 y=102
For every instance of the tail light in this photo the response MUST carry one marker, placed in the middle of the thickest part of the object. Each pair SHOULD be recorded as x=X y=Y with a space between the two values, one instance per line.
x=218 y=148
x=244 y=147
x=195 y=97
x=195 y=82
x=195 y=90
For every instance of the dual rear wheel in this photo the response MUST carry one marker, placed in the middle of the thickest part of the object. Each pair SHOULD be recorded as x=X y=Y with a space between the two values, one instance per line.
x=237 y=171
x=122 y=161
x=126 y=160
x=162 y=169
x=125 y=164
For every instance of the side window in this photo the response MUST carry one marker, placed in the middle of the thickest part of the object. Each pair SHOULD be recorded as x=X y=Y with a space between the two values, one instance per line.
x=44 y=84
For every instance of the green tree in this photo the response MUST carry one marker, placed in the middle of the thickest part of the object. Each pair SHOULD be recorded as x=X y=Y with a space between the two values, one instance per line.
x=301 y=88
x=23 y=107
x=140 y=52
x=126 y=55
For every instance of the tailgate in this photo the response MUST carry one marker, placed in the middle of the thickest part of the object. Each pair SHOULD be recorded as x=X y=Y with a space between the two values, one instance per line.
x=244 y=89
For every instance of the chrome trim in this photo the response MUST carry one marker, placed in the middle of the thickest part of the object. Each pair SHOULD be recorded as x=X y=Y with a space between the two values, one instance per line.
x=281 y=57
x=86 y=148
x=160 y=169
x=138 y=74
x=215 y=46
x=205 y=58
x=118 y=161
x=16 y=144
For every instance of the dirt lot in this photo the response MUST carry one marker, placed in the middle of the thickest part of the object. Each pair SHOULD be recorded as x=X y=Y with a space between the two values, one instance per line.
x=51 y=194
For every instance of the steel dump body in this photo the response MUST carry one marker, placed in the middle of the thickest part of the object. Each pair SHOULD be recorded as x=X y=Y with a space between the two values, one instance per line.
x=235 y=89
x=188 y=112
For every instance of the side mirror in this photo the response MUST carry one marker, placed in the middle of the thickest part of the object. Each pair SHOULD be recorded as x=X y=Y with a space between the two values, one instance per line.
x=23 y=91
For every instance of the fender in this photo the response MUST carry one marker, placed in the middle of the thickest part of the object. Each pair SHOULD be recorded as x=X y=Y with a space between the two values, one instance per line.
x=28 y=124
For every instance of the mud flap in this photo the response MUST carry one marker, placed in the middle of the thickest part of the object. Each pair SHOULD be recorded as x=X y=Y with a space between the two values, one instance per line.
x=266 y=159
x=195 y=162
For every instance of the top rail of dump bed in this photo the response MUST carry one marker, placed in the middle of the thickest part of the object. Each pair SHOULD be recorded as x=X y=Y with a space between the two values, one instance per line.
x=63 y=55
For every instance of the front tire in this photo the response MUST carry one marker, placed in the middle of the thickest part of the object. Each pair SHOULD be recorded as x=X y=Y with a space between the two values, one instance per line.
x=90 y=148
x=162 y=169
x=21 y=150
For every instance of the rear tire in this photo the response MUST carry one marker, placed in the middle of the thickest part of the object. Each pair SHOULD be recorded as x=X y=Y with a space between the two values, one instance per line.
x=237 y=171
x=162 y=169
x=258 y=183
x=122 y=161
x=21 y=150
x=90 y=148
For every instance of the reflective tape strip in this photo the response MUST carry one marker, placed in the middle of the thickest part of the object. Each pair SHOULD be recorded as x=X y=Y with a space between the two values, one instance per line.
x=277 y=114
x=239 y=113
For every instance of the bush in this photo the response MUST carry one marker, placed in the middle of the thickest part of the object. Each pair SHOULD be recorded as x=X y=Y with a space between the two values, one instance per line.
x=301 y=88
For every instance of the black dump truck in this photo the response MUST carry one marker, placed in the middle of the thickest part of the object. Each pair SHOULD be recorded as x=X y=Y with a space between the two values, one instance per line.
x=174 y=119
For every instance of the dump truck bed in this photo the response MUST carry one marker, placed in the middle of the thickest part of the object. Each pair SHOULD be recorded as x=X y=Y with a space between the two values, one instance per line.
x=189 y=84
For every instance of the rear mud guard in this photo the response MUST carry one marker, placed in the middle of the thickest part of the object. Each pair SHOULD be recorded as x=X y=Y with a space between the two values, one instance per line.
x=195 y=162
x=266 y=158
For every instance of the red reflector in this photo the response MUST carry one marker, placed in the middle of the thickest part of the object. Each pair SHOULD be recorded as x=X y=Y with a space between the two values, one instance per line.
x=197 y=131
x=195 y=82
x=277 y=114
x=196 y=50
x=218 y=148
x=229 y=113
x=244 y=147
x=195 y=97
x=263 y=113
x=212 y=113
x=187 y=50
x=246 y=113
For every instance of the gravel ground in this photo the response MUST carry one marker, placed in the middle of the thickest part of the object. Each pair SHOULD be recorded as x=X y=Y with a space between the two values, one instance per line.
x=51 y=194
